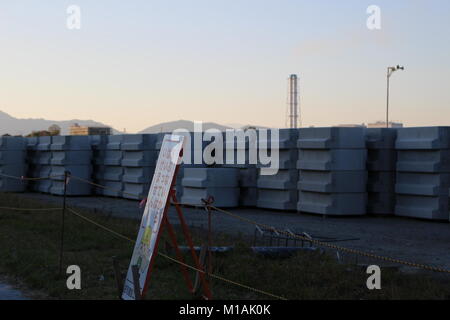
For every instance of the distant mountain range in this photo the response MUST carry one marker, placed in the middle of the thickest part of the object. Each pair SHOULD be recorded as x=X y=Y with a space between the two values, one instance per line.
x=189 y=125
x=182 y=124
x=15 y=126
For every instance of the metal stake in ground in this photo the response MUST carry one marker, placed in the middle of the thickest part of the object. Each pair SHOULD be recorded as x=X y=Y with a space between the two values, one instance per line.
x=208 y=202
x=66 y=182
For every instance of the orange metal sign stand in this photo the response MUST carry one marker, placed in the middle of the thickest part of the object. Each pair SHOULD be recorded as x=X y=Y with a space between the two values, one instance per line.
x=187 y=235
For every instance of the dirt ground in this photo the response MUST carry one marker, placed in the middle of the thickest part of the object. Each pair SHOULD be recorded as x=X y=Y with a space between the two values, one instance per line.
x=421 y=241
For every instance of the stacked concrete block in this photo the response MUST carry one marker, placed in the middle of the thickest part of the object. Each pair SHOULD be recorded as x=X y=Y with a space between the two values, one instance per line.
x=423 y=172
x=248 y=185
x=381 y=164
x=332 y=171
x=193 y=152
x=40 y=161
x=279 y=190
x=108 y=170
x=112 y=171
x=31 y=143
x=74 y=155
x=139 y=156
x=98 y=144
x=220 y=183
x=12 y=163
x=240 y=151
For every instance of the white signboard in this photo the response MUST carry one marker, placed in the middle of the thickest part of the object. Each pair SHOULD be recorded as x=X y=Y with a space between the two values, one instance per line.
x=153 y=213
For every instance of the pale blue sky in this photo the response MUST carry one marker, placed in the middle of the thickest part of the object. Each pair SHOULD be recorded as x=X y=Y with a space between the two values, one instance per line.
x=137 y=63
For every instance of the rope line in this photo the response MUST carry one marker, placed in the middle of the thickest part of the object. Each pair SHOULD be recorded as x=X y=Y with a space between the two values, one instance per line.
x=31 y=179
x=100 y=225
x=177 y=261
x=29 y=209
x=223 y=279
x=104 y=187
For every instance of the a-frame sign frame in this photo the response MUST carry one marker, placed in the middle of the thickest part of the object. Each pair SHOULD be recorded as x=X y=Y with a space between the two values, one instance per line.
x=161 y=196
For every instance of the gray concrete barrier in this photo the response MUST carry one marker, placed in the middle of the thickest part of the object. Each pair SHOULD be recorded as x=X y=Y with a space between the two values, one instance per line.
x=13 y=163
x=220 y=183
x=279 y=191
x=423 y=169
x=74 y=155
x=332 y=171
x=139 y=160
x=41 y=163
x=381 y=166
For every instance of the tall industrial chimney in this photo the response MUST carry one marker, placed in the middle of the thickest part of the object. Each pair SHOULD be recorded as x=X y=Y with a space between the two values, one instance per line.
x=293 y=101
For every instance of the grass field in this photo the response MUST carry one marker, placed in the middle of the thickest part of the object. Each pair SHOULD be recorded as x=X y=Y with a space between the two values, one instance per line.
x=30 y=243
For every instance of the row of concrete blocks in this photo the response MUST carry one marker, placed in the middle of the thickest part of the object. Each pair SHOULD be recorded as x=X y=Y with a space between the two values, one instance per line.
x=380 y=164
x=51 y=157
x=228 y=188
x=332 y=171
x=421 y=151
x=332 y=178
x=12 y=163
x=407 y=174
x=423 y=173
x=415 y=185
x=331 y=175
x=279 y=190
x=124 y=164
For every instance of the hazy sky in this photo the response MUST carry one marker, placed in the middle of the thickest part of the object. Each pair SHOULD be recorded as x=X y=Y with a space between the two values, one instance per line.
x=137 y=63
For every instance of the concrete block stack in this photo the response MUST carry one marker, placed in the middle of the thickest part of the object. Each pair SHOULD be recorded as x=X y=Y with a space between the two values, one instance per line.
x=333 y=175
x=108 y=166
x=12 y=163
x=423 y=172
x=220 y=183
x=192 y=152
x=248 y=185
x=31 y=156
x=98 y=145
x=237 y=154
x=41 y=162
x=279 y=190
x=381 y=164
x=139 y=162
x=72 y=154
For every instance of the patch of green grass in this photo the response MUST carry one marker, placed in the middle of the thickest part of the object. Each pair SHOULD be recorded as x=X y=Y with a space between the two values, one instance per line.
x=30 y=243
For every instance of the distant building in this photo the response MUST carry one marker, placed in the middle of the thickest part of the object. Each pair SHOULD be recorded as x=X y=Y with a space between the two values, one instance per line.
x=382 y=124
x=352 y=125
x=77 y=130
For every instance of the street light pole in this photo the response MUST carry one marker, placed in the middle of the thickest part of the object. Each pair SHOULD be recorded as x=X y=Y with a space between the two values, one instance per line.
x=387 y=98
x=390 y=71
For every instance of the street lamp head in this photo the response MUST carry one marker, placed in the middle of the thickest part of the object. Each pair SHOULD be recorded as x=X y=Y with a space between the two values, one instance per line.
x=391 y=70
